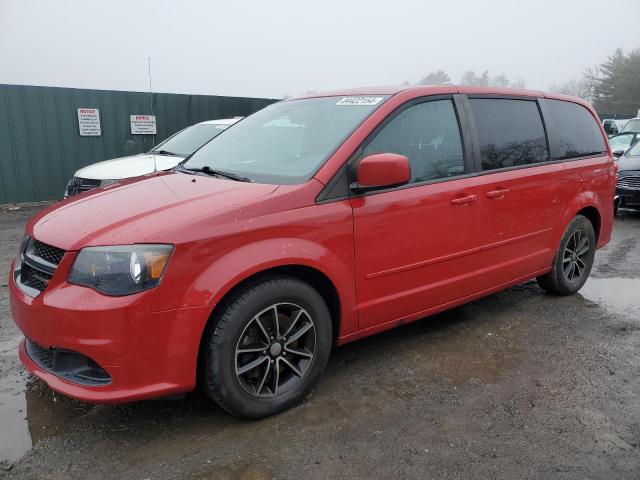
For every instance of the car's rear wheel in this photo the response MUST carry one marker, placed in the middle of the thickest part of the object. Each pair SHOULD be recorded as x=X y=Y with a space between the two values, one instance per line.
x=267 y=348
x=574 y=259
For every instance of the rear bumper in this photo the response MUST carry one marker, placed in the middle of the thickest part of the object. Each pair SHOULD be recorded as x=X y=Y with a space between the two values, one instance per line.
x=146 y=354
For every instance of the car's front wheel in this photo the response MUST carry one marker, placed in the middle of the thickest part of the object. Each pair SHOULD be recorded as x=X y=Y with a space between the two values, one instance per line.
x=574 y=259
x=267 y=348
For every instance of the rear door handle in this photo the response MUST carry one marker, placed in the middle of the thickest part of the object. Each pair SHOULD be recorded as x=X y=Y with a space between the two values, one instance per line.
x=498 y=193
x=466 y=200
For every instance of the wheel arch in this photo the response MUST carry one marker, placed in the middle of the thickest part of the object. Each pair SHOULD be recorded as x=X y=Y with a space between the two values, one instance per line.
x=593 y=215
x=313 y=276
x=586 y=204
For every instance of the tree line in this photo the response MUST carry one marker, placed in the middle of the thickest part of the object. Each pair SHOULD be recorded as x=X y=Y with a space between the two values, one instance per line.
x=440 y=77
x=612 y=87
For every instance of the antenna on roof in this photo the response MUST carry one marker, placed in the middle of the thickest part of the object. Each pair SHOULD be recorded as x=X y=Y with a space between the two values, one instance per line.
x=155 y=166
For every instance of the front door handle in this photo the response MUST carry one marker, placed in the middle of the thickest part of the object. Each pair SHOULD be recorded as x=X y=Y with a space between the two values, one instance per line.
x=461 y=201
x=498 y=193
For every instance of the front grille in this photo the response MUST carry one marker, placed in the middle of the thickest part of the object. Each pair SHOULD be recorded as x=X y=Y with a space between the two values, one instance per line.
x=72 y=366
x=631 y=182
x=78 y=185
x=38 y=264
x=47 y=252
x=33 y=278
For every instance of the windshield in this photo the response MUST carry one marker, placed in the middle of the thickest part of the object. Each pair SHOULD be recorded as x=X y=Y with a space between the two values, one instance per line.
x=187 y=141
x=634 y=151
x=620 y=142
x=286 y=142
x=632 y=125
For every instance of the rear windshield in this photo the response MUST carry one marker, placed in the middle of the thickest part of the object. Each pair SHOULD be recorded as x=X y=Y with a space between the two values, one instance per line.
x=286 y=142
x=575 y=132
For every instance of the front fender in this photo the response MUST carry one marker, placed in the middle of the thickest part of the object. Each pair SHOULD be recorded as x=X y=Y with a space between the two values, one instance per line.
x=240 y=264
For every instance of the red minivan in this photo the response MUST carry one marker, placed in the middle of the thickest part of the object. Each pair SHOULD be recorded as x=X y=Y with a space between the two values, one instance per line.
x=309 y=224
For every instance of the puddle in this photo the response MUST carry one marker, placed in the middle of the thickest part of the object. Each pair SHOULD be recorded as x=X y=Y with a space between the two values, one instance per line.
x=29 y=410
x=618 y=295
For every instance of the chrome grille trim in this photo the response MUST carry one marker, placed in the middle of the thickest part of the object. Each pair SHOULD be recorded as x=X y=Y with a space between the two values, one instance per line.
x=39 y=263
x=631 y=182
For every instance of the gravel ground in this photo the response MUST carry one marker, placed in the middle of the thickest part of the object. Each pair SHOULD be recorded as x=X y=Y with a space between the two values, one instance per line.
x=517 y=385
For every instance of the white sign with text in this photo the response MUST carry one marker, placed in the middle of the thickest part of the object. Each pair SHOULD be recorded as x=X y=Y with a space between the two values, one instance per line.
x=89 y=122
x=143 y=124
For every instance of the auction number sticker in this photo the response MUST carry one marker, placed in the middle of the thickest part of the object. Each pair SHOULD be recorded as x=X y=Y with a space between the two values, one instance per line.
x=359 y=101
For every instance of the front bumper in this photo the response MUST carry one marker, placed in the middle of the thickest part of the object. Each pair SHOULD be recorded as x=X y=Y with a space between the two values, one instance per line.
x=145 y=353
x=628 y=198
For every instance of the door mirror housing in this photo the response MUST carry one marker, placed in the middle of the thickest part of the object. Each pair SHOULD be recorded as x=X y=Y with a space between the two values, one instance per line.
x=382 y=170
x=618 y=153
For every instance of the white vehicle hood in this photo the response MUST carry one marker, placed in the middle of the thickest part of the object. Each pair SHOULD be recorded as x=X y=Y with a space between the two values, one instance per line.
x=126 y=167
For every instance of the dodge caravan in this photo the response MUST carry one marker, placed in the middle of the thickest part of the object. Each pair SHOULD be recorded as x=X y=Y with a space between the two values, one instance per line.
x=312 y=223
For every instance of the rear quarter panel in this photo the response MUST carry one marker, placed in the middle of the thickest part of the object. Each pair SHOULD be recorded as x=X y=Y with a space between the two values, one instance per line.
x=591 y=183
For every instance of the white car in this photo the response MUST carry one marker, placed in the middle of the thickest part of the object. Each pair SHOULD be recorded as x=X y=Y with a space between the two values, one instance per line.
x=163 y=156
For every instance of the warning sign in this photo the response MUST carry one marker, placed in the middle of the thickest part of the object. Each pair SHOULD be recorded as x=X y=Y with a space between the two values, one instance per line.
x=143 y=124
x=89 y=122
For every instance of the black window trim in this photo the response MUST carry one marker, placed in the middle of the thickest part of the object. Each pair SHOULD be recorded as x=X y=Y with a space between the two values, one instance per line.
x=470 y=143
x=349 y=165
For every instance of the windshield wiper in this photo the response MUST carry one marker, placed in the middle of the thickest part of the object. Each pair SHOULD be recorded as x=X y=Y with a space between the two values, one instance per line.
x=216 y=173
x=165 y=152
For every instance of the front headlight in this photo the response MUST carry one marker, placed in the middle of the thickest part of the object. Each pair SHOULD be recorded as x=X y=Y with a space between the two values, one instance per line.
x=120 y=270
x=104 y=183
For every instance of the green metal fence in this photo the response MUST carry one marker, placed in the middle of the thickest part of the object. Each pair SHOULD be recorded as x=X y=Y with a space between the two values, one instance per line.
x=40 y=143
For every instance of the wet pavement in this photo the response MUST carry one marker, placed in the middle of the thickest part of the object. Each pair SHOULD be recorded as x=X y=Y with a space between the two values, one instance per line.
x=517 y=385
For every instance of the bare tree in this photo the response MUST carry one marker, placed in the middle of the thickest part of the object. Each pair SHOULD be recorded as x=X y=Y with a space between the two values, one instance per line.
x=436 y=78
x=484 y=80
x=576 y=87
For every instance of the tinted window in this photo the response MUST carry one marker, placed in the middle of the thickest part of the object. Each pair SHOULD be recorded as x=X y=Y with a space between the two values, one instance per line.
x=575 y=132
x=428 y=135
x=510 y=132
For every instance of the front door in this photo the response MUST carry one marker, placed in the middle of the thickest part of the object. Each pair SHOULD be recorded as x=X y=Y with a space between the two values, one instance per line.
x=416 y=245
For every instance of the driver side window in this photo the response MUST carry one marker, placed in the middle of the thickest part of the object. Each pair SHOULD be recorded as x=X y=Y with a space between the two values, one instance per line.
x=428 y=135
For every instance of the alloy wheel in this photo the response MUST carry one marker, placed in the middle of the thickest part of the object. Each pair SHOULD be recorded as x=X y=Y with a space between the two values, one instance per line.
x=576 y=253
x=275 y=350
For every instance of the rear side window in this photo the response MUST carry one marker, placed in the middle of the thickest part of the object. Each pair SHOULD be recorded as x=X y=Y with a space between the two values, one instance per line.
x=428 y=135
x=510 y=132
x=575 y=133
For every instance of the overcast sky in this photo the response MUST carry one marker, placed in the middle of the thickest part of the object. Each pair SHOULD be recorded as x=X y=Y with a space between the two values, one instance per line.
x=272 y=48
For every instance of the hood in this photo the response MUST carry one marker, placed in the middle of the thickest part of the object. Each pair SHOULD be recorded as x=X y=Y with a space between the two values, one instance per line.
x=159 y=208
x=127 y=167
x=628 y=163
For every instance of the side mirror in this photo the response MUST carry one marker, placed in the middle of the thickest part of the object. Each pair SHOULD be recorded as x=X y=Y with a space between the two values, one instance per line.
x=382 y=170
x=618 y=153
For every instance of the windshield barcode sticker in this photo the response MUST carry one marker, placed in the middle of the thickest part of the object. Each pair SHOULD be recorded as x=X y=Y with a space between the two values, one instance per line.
x=359 y=101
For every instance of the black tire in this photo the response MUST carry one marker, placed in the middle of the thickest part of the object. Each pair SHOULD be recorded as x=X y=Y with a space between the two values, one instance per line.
x=258 y=393
x=571 y=268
